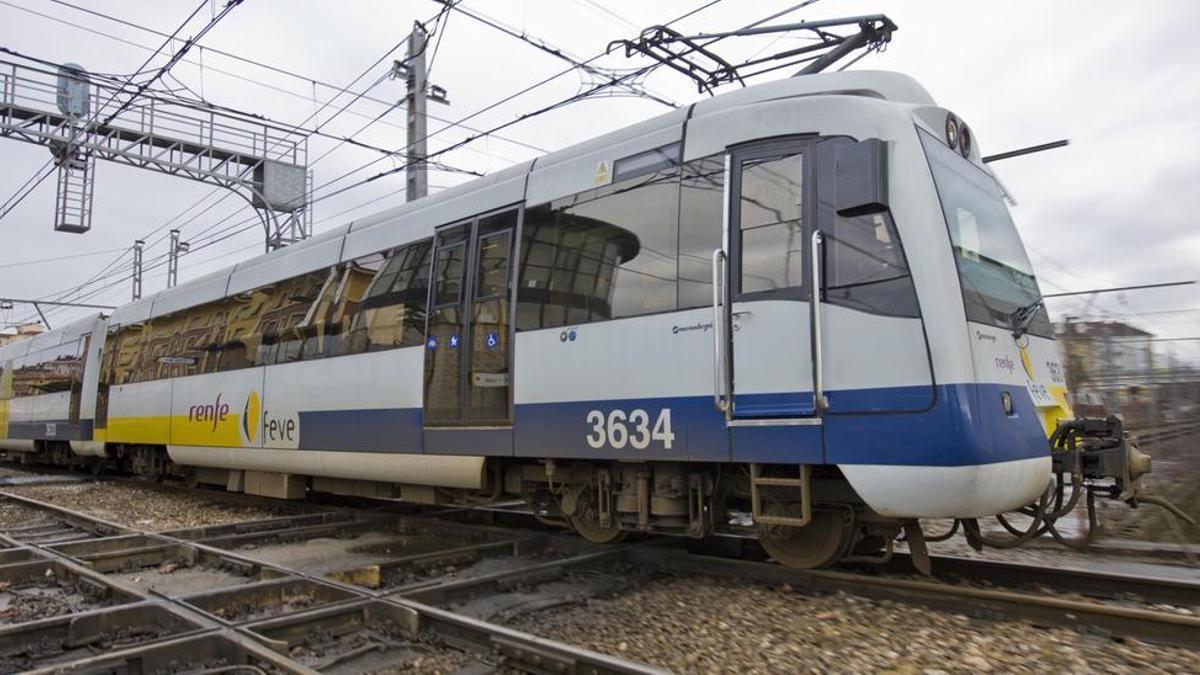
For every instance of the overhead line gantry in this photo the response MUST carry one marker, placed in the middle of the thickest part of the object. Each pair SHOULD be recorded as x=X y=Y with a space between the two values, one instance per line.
x=263 y=162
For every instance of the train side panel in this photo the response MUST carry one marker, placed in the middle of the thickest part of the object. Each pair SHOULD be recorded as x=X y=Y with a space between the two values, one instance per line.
x=361 y=403
x=139 y=413
x=568 y=379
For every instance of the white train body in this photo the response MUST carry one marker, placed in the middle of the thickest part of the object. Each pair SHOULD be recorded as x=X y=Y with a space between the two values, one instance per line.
x=928 y=406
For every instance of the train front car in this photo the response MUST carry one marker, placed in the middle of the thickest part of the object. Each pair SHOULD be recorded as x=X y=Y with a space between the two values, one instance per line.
x=936 y=386
x=897 y=399
x=863 y=282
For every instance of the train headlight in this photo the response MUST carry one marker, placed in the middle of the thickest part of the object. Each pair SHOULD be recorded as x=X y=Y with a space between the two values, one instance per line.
x=952 y=128
x=964 y=140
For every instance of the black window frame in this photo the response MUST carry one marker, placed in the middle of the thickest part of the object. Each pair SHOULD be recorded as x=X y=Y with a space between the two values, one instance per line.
x=827 y=222
x=771 y=148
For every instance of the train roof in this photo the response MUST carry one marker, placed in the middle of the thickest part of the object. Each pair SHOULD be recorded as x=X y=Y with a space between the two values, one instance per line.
x=555 y=174
x=64 y=334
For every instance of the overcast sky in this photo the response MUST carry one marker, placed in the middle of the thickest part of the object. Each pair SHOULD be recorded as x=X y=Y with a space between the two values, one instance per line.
x=1118 y=79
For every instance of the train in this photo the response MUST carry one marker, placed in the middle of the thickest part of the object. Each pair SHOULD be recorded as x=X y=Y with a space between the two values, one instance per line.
x=799 y=311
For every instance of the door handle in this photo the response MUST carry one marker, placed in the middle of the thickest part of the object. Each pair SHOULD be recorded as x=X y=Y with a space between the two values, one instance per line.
x=819 y=402
x=720 y=394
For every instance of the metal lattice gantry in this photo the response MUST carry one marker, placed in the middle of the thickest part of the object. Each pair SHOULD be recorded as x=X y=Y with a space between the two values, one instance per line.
x=263 y=162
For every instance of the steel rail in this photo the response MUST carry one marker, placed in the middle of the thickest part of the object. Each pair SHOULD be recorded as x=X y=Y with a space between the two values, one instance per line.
x=521 y=650
x=1095 y=583
x=1166 y=433
x=1148 y=625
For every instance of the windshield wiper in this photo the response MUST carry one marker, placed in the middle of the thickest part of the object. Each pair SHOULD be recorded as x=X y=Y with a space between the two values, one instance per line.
x=1022 y=316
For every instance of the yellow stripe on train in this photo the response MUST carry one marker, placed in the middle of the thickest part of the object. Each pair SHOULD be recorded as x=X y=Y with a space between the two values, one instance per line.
x=226 y=432
x=1061 y=410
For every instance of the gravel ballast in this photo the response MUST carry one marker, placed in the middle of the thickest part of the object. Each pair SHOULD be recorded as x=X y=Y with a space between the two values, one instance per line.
x=144 y=507
x=710 y=625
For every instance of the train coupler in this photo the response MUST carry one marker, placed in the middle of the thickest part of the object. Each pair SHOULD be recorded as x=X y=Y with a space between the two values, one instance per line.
x=1097 y=449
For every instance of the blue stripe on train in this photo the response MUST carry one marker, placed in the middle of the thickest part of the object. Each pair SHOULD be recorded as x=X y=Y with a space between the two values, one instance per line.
x=51 y=430
x=965 y=425
x=377 y=430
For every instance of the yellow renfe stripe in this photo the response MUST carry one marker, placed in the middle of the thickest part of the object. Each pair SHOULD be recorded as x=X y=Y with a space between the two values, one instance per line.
x=4 y=418
x=1061 y=410
x=148 y=430
x=176 y=430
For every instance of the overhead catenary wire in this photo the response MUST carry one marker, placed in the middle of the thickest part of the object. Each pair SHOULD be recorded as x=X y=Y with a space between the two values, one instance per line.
x=326 y=121
x=48 y=168
x=492 y=132
x=556 y=52
x=308 y=79
x=611 y=82
x=316 y=113
x=230 y=4
x=74 y=256
x=510 y=123
x=310 y=117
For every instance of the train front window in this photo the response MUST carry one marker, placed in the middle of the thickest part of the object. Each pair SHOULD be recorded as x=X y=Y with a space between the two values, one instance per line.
x=996 y=276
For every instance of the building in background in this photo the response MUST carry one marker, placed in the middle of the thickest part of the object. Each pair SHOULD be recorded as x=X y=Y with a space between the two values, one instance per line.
x=1104 y=351
x=1111 y=367
x=21 y=332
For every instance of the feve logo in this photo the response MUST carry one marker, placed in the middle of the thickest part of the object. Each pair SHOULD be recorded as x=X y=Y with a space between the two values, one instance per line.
x=1025 y=362
x=250 y=416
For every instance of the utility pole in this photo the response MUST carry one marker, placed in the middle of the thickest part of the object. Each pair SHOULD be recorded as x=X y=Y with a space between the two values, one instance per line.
x=417 y=175
x=414 y=71
x=178 y=248
x=137 y=268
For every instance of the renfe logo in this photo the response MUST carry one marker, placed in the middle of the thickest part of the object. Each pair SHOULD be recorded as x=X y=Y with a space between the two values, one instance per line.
x=215 y=412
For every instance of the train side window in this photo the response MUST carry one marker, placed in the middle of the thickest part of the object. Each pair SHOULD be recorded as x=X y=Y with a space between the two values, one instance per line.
x=285 y=317
x=387 y=297
x=701 y=222
x=46 y=371
x=864 y=266
x=601 y=254
x=771 y=208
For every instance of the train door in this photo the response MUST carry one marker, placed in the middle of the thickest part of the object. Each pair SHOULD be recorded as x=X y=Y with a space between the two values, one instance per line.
x=468 y=356
x=765 y=315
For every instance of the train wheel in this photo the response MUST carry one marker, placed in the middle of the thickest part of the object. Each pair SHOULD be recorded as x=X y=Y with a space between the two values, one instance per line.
x=819 y=544
x=587 y=524
x=595 y=533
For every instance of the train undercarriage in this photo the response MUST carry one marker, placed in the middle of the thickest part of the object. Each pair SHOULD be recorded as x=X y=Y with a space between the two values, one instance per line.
x=803 y=516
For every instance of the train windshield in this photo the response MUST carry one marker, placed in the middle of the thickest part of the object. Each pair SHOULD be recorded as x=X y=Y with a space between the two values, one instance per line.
x=996 y=276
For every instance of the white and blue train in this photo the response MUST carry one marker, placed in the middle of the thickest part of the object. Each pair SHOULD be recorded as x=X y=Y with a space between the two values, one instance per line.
x=802 y=304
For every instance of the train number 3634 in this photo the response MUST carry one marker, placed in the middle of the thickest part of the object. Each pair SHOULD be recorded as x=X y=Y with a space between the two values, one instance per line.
x=619 y=429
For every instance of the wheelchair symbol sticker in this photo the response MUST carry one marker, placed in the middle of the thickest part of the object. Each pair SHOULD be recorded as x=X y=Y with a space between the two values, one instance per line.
x=492 y=340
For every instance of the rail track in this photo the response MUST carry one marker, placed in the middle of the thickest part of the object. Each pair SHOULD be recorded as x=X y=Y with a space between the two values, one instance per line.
x=253 y=623
x=436 y=588
x=1167 y=432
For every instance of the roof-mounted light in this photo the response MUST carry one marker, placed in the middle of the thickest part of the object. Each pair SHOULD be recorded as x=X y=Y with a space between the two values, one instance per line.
x=958 y=135
x=952 y=131
x=964 y=141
